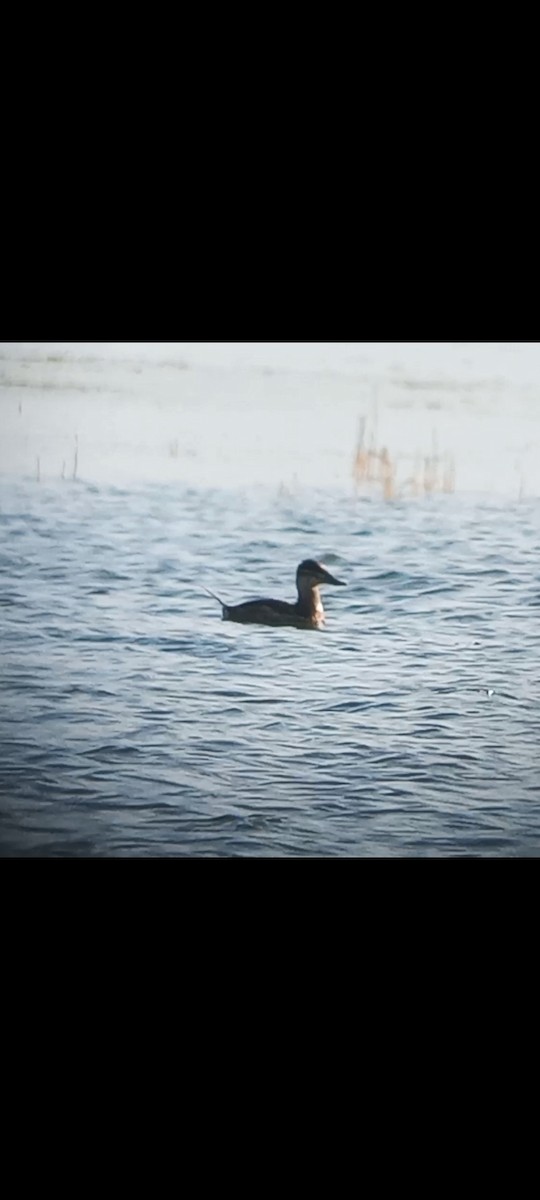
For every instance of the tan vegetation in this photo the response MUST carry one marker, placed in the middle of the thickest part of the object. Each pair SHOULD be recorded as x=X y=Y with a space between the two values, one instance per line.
x=372 y=464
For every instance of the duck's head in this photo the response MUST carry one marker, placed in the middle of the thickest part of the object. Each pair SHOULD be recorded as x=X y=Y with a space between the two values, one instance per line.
x=312 y=574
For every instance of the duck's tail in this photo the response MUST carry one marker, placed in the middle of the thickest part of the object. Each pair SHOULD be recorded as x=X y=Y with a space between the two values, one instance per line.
x=214 y=597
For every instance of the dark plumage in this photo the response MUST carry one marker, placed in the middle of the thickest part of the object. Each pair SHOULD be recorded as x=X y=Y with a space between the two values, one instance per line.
x=307 y=611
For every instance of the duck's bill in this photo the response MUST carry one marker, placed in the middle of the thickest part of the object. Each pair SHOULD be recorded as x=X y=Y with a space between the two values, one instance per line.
x=328 y=578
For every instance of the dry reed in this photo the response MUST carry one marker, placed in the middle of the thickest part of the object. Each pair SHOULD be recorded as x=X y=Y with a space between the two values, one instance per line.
x=431 y=473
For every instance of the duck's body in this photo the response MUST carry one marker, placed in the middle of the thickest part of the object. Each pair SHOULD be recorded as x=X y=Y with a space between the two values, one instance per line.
x=306 y=613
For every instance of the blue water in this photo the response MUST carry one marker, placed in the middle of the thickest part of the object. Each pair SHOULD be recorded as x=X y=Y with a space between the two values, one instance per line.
x=133 y=721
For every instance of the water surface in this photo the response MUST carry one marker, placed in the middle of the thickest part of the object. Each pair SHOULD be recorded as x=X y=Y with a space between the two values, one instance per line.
x=135 y=721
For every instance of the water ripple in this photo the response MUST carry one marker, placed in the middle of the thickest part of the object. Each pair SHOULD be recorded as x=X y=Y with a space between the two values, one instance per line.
x=134 y=721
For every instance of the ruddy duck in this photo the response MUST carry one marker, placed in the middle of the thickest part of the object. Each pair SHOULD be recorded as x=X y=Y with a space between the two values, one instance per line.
x=306 y=613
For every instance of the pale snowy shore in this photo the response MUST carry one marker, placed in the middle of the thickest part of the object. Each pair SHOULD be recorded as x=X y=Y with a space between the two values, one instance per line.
x=221 y=414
